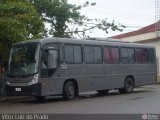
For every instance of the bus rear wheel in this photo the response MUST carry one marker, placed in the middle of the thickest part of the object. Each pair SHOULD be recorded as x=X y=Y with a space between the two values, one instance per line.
x=128 y=86
x=69 y=90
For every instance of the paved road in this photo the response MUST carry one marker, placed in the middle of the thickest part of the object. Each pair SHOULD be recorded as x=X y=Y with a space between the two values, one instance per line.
x=143 y=100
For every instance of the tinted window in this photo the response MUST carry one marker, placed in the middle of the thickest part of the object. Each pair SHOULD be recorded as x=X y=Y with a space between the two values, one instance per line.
x=111 y=55
x=92 y=54
x=142 y=55
x=68 y=54
x=139 y=55
x=145 y=56
x=73 y=54
x=97 y=55
x=88 y=54
x=151 y=56
x=115 y=55
x=127 y=55
x=77 y=54
x=124 y=55
x=131 y=55
x=107 y=55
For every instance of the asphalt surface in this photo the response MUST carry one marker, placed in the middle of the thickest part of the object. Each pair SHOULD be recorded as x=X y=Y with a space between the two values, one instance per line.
x=144 y=99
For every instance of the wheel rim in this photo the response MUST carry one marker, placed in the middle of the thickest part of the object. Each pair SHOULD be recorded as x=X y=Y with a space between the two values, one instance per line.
x=70 y=91
x=129 y=85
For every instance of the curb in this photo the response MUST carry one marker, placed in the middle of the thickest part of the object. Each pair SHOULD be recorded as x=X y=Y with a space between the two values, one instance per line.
x=14 y=97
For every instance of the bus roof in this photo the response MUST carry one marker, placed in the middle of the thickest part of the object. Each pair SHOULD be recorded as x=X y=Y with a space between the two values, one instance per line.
x=109 y=41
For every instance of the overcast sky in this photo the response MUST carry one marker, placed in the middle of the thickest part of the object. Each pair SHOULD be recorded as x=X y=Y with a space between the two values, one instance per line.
x=134 y=14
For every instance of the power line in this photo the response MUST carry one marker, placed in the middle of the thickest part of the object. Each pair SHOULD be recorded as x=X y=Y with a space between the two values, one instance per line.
x=130 y=17
x=91 y=23
x=104 y=11
x=157 y=15
x=115 y=14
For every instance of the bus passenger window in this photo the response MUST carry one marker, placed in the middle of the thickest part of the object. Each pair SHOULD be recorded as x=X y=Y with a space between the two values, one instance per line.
x=127 y=55
x=88 y=54
x=73 y=54
x=92 y=55
x=131 y=55
x=124 y=55
x=142 y=55
x=115 y=55
x=111 y=55
x=151 y=55
x=107 y=56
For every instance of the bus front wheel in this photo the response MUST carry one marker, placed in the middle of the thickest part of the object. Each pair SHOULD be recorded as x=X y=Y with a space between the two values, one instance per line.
x=69 y=90
x=128 y=86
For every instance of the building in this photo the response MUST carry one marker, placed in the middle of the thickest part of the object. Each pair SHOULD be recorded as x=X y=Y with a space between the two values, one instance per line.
x=148 y=35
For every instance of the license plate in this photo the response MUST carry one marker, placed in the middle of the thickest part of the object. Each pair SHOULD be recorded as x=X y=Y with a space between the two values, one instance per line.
x=18 y=89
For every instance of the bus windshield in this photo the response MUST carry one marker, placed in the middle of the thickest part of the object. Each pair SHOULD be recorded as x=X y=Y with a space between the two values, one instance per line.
x=23 y=60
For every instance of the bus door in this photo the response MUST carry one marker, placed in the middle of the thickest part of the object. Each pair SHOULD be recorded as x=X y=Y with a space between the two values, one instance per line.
x=49 y=65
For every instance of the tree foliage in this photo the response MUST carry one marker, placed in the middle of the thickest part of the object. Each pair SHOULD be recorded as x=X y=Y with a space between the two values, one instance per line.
x=26 y=19
x=67 y=20
x=19 y=20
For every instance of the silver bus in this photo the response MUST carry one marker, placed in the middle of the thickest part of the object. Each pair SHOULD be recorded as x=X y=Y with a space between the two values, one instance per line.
x=63 y=66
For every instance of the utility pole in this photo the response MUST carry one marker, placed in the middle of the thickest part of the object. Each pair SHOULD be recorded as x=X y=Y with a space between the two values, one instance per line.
x=157 y=17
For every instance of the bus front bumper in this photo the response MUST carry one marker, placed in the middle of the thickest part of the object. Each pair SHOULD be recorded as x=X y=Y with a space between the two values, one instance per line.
x=32 y=90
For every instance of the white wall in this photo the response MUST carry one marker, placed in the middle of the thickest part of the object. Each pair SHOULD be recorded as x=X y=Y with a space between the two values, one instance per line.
x=156 y=44
x=141 y=37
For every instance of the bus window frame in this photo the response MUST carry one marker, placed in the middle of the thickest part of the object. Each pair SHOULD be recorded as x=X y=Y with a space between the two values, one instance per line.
x=93 y=59
x=109 y=46
x=142 y=56
x=128 y=54
x=80 y=45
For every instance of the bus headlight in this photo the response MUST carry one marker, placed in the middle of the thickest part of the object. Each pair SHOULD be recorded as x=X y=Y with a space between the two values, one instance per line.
x=8 y=83
x=34 y=80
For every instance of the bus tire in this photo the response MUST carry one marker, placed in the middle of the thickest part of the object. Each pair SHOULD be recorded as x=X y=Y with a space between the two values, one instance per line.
x=128 y=86
x=69 y=90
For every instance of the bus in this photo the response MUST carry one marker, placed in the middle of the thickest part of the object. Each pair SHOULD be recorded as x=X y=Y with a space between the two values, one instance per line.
x=65 y=66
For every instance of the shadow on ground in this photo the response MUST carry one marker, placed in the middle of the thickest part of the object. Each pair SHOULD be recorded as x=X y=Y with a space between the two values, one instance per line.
x=49 y=99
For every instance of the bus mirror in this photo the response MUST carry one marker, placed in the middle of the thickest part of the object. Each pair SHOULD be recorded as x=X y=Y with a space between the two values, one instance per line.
x=49 y=62
x=50 y=59
x=45 y=59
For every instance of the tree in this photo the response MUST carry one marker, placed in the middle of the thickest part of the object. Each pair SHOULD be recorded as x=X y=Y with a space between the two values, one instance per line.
x=25 y=19
x=19 y=20
x=60 y=14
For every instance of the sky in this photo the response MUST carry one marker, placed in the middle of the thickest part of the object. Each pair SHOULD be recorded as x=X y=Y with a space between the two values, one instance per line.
x=134 y=14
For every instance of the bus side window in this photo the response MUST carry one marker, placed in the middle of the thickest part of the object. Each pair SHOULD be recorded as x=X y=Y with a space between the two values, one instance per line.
x=127 y=55
x=151 y=55
x=142 y=55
